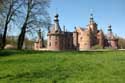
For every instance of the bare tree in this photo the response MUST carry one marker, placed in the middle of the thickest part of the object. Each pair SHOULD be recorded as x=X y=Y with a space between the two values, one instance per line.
x=7 y=15
x=35 y=16
x=1 y=4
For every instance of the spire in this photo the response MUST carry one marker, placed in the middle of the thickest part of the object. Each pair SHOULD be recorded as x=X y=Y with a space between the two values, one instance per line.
x=109 y=28
x=56 y=24
x=64 y=29
x=91 y=18
x=75 y=28
x=39 y=34
x=56 y=18
x=110 y=34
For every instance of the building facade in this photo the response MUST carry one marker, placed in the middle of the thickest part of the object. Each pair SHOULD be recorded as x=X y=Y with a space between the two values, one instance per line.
x=80 y=39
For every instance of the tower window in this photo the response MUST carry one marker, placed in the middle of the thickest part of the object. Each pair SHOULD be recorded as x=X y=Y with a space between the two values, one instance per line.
x=81 y=38
x=55 y=43
x=56 y=37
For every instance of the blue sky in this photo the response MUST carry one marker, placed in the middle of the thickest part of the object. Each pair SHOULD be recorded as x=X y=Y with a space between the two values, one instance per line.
x=77 y=12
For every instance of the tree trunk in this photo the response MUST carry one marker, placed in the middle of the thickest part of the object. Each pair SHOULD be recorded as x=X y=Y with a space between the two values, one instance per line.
x=21 y=38
x=4 y=37
x=8 y=18
x=23 y=30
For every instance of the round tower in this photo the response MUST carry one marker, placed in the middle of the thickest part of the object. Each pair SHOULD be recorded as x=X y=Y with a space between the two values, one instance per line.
x=55 y=36
x=112 y=40
x=75 y=39
x=101 y=38
x=92 y=25
x=109 y=35
x=39 y=44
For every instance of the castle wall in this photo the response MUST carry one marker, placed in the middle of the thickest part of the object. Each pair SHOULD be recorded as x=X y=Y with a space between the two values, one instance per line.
x=84 y=39
x=81 y=39
x=55 y=42
x=68 y=40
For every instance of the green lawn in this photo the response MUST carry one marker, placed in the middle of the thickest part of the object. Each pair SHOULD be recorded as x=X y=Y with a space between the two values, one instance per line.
x=62 y=67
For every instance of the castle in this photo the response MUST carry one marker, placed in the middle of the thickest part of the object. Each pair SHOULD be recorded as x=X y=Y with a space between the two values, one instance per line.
x=80 y=39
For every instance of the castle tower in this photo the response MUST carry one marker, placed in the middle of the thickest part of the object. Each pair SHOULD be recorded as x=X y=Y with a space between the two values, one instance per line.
x=84 y=39
x=87 y=41
x=39 y=42
x=55 y=36
x=75 y=39
x=92 y=25
x=110 y=34
x=112 y=40
x=101 y=38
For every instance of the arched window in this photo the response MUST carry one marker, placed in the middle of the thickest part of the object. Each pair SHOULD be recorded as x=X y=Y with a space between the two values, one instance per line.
x=56 y=37
x=55 y=43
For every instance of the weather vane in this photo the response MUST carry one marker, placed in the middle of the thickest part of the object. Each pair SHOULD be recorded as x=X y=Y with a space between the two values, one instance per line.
x=56 y=11
x=91 y=10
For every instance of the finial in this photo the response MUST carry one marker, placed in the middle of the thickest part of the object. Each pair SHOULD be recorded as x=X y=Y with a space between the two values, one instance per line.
x=91 y=16
x=109 y=26
x=56 y=13
x=91 y=13
x=56 y=18
x=56 y=10
x=64 y=28
x=39 y=33
x=75 y=27
x=91 y=10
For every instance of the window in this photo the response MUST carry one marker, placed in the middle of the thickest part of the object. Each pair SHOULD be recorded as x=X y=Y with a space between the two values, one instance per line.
x=56 y=37
x=55 y=43
x=85 y=43
x=81 y=38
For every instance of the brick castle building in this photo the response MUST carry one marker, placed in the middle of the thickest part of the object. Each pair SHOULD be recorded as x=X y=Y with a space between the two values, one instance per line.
x=80 y=39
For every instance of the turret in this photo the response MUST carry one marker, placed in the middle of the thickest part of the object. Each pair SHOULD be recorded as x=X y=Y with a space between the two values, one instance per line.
x=39 y=42
x=92 y=25
x=110 y=34
x=91 y=19
x=75 y=39
x=39 y=34
x=55 y=36
x=101 y=38
x=56 y=24
x=109 y=28
x=112 y=40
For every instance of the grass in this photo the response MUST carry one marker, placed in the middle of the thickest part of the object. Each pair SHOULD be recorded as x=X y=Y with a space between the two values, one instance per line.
x=62 y=67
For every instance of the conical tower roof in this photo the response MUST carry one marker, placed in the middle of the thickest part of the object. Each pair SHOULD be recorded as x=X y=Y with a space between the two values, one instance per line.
x=56 y=26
